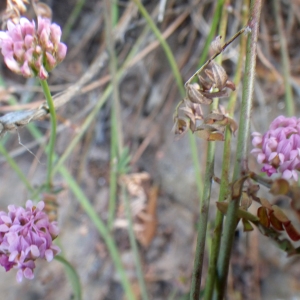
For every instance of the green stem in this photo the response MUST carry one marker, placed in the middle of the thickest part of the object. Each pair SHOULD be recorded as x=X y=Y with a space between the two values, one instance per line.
x=242 y=147
x=290 y=107
x=172 y=62
x=115 y=12
x=16 y=168
x=115 y=119
x=204 y=206
x=99 y=224
x=91 y=117
x=73 y=277
x=224 y=186
x=72 y=18
x=50 y=153
x=134 y=246
x=104 y=232
x=209 y=173
x=215 y=55
x=218 y=13
x=204 y=53
x=164 y=44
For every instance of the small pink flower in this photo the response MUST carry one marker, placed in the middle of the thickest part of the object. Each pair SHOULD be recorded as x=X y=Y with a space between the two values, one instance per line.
x=25 y=235
x=32 y=51
x=279 y=148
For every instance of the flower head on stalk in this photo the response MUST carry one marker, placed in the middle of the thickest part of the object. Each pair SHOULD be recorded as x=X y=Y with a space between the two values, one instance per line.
x=32 y=51
x=279 y=148
x=25 y=235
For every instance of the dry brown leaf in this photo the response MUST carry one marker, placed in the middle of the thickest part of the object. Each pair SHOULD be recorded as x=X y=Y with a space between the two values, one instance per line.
x=149 y=219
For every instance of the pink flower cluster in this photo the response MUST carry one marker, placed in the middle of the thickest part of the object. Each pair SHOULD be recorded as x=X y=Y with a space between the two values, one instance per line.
x=32 y=51
x=279 y=148
x=25 y=235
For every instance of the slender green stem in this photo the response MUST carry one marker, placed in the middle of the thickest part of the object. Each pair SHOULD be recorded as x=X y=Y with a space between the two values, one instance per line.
x=115 y=12
x=204 y=53
x=242 y=147
x=204 y=206
x=50 y=153
x=218 y=13
x=99 y=224
x=86 y=124
x=204 y=203
x=164 y=45
x=172 y=62
x=104 y=232
x=290 y=107
x=224 y=186
x=73 y=277
x=215 y=55
x=89 y=119
x=196 y=164
x=116 y=142
x=134 y=246
x=16 y=168
x=74 y=14
x=113 y=184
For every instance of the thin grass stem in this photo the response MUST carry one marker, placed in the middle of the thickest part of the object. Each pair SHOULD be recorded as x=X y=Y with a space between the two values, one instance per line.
x=102 y=229
x=215 y=55
x=89 y=119
x=289 y=101
x=73 y=277
x=242 y=148
x=209 y=173
x=16 y=168
x=52 y=139
x=176 y=73
x=218 y=14
x=224 y=186
x=116 y=140
x=96 y=220
x=72 y=18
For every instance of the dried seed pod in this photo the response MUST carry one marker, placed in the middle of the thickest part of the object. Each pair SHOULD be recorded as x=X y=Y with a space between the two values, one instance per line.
x=230 y=85
x=210 y=133
x=189 y=114
x=196 y=108
x=246 y=201
x=213 y=118
x=232 y=125
x=210 y=75
x=264 y=219
x=219 y=94
x=206 y=85
x=220 y=76
x=216 y=46
x=195 y=95
x=181 y=126
x=192 y=111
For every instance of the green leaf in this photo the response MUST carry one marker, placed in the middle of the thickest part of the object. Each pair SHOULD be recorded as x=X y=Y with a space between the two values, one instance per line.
x=124 y=161
x=247 y=225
